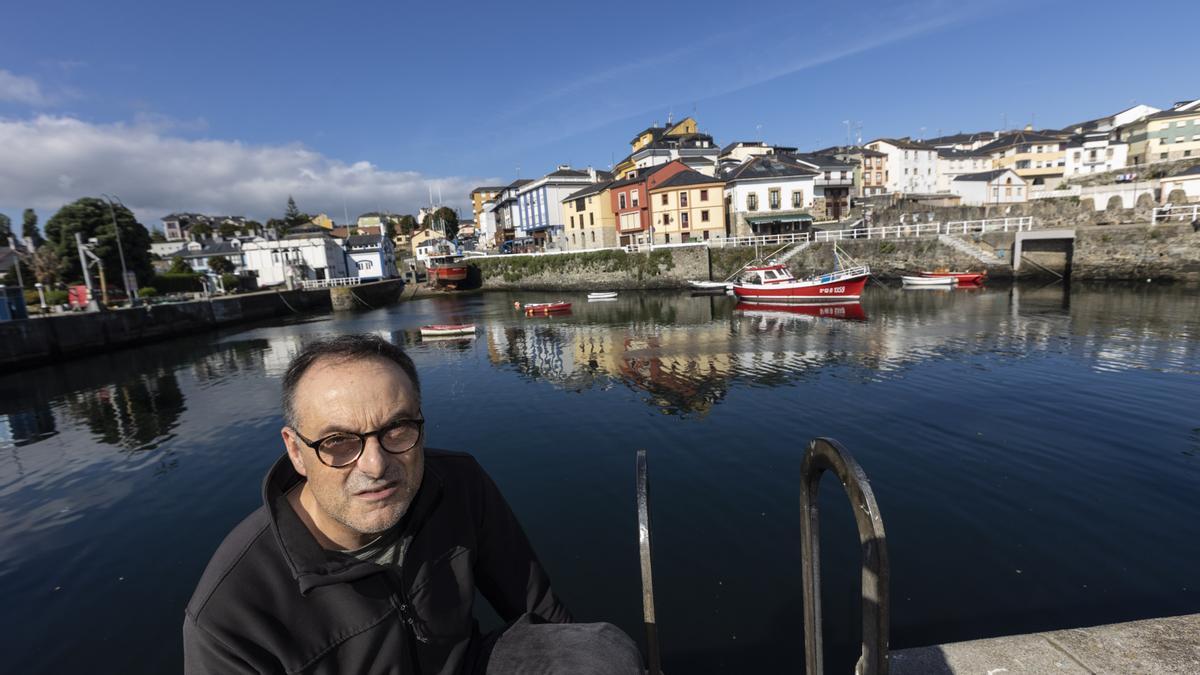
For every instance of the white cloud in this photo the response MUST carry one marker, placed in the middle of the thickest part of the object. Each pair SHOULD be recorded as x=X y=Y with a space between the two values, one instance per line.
x=18 y=89
x=50 y=161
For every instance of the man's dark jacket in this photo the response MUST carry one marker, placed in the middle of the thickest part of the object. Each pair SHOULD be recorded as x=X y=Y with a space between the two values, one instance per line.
x=273 y=601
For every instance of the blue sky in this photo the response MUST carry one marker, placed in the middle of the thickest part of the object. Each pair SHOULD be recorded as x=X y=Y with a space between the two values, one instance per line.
x=230 y=106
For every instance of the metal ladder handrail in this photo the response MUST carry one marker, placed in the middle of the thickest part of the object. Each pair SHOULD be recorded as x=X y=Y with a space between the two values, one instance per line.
x=643 y=507
x=827 y=454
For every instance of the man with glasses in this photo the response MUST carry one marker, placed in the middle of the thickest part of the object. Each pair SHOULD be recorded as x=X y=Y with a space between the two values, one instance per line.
x=369 y=547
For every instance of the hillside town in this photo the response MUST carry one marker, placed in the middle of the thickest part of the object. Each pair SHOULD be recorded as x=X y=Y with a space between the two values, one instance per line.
x=677 y=185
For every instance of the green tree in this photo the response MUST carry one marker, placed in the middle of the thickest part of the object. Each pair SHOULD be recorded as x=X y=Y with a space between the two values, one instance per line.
x=180 y=266
x=221 y=265
x=254 y=227
x=29 y=230
x=228 y=229
x=201 y=231
x=157 y=236
x=408 y=224
x=443 y=218
x=5 y=229
x=291 y=214
x=90 y=217
x=46 y=264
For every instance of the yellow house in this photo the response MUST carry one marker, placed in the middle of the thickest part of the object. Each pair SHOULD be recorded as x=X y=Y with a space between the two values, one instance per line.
x=481 y=195
x=419 y=236
x=1038 y=158
x=688 y=206
x=323 y=221
x=1165 y=136
x=626 y=167
x=588 y=220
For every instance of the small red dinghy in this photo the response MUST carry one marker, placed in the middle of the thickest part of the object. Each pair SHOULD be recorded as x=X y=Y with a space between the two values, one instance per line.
x=547 y=307
x=962 y=278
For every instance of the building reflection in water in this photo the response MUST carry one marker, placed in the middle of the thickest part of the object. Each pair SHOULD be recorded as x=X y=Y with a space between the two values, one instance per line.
x=688 y=364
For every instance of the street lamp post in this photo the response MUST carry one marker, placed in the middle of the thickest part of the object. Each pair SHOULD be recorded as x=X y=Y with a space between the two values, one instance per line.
x=41 y=296
x=120 y=250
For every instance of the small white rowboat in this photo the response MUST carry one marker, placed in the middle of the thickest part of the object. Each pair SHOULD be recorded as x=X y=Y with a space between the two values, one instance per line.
x=928 y=281
x=441 y=330
x=609 y=295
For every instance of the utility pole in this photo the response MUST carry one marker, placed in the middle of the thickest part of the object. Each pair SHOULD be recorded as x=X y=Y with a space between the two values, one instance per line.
x=120 y=251
x=17 y=266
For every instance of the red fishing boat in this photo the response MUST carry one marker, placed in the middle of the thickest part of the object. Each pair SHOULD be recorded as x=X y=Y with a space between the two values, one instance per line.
x=774 y=283
x=546 y=307
x=961 y=278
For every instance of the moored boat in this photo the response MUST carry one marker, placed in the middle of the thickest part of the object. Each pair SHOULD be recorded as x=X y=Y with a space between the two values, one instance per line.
x=944 y=282
x=448 y=272
x=774 y=283
x=547 y=307
x=714 y=286
x=960 y=277
x=606 y=295
x=444 y=329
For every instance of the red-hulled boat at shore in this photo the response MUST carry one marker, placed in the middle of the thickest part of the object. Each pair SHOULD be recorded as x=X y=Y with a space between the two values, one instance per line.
x=448 y=273
x=960 y=278
x=774 y=283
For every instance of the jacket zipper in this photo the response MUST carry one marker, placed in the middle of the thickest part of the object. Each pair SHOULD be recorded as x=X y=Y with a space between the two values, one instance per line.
x=407 y=613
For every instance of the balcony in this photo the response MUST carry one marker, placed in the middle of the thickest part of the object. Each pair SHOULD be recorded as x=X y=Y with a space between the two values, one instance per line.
x=822 y=181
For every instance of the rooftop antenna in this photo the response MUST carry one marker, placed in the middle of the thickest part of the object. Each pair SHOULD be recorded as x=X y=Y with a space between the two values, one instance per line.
x=345 y=211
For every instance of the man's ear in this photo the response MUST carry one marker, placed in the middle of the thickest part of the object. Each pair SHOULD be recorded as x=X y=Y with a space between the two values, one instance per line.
x=294 y=450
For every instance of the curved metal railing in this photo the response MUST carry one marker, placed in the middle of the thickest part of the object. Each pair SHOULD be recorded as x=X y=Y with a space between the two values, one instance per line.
x=826 y=454
x=643 y=507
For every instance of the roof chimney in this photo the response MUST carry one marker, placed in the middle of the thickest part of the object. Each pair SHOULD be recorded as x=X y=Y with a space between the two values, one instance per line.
x=592 y=174
x=564 y=167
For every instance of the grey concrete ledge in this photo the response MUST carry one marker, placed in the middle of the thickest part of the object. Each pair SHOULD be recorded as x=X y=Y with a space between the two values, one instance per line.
x=1167 y=645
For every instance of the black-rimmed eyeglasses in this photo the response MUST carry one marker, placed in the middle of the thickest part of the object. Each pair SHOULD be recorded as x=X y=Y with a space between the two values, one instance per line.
x=343 y=448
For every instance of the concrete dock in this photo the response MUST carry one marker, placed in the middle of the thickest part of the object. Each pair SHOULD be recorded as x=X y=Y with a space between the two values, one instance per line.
x=1167 y=645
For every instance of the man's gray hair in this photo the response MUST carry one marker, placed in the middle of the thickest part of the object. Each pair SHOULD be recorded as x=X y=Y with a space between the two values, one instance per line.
x=343 y=348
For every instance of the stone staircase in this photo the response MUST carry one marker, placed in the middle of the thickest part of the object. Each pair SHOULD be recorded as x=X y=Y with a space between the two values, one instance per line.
x=794 y=251
x=986 y=257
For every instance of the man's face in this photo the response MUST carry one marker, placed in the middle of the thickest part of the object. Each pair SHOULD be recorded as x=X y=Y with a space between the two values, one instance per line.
x=356 y=502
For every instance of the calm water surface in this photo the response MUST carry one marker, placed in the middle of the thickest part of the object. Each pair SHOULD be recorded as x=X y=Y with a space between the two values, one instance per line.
x=1035 y=454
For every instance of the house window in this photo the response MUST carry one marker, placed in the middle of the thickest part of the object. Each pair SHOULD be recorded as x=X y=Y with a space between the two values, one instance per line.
x=633 y=197
x=706 y=235
x=621 y=200
x=683 y=201
x=665 y=200
x=704 y=195
x=1007 y=192
x=773 y=197
x=797 y=199
x=572 y=222
x=593 y=236
x=667 y=238
x=704 y=216
x=364 y=265
x=752 y=201
x=592 y=220
x=683 y=219
x=877 y=179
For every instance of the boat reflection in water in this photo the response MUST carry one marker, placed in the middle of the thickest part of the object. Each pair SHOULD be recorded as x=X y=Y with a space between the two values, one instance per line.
x=852 y=311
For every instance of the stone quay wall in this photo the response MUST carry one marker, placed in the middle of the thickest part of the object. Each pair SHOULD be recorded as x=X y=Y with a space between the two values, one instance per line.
x=613 y=270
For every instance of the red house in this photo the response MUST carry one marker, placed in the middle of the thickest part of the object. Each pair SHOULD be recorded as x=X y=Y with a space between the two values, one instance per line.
x=631 y=201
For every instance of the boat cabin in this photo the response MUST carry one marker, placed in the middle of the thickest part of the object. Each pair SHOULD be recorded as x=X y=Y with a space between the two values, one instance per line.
x=768 y=274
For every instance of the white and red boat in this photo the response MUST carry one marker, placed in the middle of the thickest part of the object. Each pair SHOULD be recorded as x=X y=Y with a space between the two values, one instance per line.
x=444 y=329
x=774 y=283
x=547 y=307
x=448 y=272
x=961 y=278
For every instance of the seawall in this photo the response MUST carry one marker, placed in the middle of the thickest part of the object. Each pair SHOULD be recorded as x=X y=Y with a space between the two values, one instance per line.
x=33 y=342
x=596 y=270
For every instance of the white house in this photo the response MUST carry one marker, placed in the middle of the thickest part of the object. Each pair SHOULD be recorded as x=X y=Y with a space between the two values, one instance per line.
x=300 y=256
x=539 y=202
x=372 y=256
x=954 y=163
x=197 y=254
x=912 y=166
x=1094 y=152
x=1000 y=186
x=769 y=194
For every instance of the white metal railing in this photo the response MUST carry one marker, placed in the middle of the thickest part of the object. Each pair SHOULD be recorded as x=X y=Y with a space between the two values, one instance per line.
x=309 y=284
x=1177 y=211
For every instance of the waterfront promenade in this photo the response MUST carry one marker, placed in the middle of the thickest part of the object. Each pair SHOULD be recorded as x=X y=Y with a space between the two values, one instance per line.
x=1166 y=645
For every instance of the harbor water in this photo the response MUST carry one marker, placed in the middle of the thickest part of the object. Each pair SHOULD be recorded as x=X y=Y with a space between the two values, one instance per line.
x=1035 y=453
